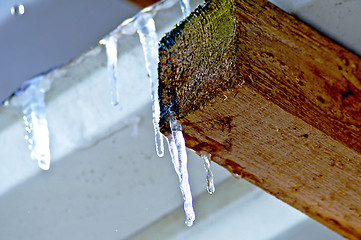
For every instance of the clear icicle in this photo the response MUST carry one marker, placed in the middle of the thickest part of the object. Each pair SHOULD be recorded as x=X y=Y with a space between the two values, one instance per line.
x=128 y=26
x=178 y=153
x=112 y=55
x=207 y=166
x=148 y=39
x=32 y=101
x=186 y=8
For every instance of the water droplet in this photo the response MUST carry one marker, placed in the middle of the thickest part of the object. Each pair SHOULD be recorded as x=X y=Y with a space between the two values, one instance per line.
x=17 y=10
x=236 y=176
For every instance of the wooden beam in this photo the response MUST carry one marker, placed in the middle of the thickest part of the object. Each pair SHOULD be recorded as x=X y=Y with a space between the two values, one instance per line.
x=273 y=101
x=143 y=3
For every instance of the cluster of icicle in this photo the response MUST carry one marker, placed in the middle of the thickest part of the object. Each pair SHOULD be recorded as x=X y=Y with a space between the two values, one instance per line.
x=144 y=25
x=31 y=94
x=31 y=98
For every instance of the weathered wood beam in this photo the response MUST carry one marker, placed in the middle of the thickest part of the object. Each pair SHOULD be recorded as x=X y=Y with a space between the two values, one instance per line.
x=273 y=101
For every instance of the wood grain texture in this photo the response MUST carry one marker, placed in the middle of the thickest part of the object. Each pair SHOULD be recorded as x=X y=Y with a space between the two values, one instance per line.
x=273 y=101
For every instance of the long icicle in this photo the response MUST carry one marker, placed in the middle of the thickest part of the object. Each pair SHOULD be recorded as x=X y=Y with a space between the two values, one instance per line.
x=32 y=101
x=148 y=39
x=209 y=177
x=112 y=58
x=178 y=153
x=186 y=8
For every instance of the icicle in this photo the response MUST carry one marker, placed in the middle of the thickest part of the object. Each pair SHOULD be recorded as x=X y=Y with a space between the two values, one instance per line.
x=32 y=101
x=112 y=56
x=178 y=153
x=207 y=166
x=186 y=8
x=128 y=26
x=148 y=39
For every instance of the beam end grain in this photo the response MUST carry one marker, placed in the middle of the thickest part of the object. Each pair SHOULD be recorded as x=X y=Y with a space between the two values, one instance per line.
x=208 y=60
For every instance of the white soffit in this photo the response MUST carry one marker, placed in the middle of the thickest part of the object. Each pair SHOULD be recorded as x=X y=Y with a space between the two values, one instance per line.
x=104 y=183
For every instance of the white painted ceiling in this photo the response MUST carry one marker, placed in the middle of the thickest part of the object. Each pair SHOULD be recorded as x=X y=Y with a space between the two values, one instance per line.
x=106 y=182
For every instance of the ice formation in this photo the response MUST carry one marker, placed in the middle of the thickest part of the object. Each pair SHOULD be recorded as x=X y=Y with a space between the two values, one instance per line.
x=186 y=8
x=142 y=23
x=112 y=56
x=178 y=154
x=149 y=41
x=209 y=177
x=31 y=98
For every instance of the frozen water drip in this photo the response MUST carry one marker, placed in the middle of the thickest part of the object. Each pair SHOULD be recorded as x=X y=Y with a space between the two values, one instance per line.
x=186 y=8
x=148 y=39
x=209 y=177
x=32 y=101
x=177 y=149
x=112 y=56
